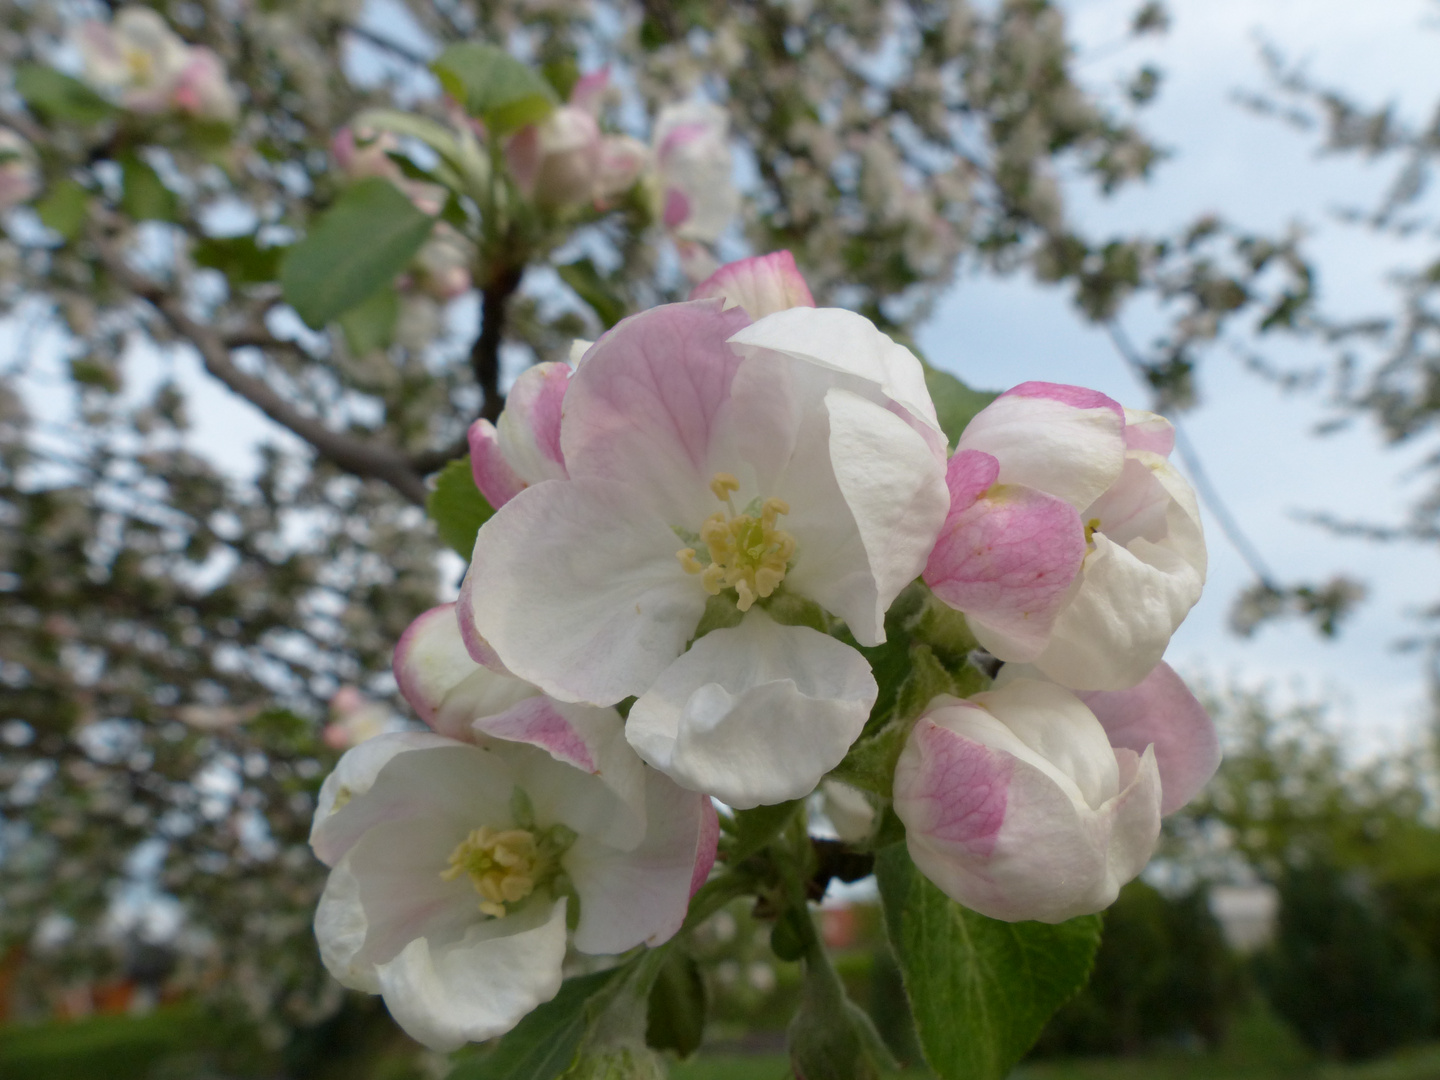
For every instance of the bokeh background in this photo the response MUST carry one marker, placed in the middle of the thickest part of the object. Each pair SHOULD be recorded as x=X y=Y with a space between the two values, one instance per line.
x=1217 y=208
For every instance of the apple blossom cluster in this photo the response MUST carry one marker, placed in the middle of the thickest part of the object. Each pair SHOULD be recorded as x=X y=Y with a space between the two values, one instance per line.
x=698 y=531
x=147 y=68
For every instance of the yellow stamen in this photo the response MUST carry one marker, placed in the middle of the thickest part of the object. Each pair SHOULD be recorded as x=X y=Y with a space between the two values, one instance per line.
x=747 y=554
x=1091 y=528
x=503 y=865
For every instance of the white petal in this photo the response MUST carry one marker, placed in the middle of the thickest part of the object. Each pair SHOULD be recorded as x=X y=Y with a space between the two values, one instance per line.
x=642 y=895
x=895 y=491
x=844 y=342
x=408 y=775
x=1051 y=445
x=353 y=775
x=754 y=714
x=1116 y=628
x=591 y=779
x=575 y=584
x=340 y=929
x=445 y=995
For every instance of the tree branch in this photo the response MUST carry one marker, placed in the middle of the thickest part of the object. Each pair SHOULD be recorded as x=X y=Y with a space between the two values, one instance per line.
x=360 y=457
x=485 y=354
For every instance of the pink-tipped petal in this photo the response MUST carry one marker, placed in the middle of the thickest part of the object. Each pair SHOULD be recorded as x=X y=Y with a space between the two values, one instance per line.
x=1148 y=431
x=1162 y=712
x=1008 y=561
x=762 y=285
x=968 y=475
x=590 y=89
x=431 y=660
x=706 y=844
x=478 y=648
x=1066 y=441
x=497 y=481
x=529 y=428
x=677 y=208
x=644 y=407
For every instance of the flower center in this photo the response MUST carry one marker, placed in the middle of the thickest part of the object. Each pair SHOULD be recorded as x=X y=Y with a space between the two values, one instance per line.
x=507 y=865
x=746 y=552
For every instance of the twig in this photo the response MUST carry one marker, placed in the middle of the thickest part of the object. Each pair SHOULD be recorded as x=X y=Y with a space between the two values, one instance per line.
x=361 y=457
x=485 y=354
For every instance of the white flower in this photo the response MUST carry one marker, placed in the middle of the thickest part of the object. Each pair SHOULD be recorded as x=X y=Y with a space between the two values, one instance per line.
x=138 y=58
x=693 y=170
x=453 y=862
x=707 y=457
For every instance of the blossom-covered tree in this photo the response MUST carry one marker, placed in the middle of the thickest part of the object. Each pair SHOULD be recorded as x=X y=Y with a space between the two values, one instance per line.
x=367 y=237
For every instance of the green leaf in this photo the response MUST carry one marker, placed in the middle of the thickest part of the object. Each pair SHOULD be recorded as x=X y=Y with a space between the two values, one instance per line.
x=360 y=244
x=145 y=196
x=239 y=258
x=370 y=324
x=752 y=829
x=955 y=403
x=59 y=97
x=981 y=989
x=675 y=1017
x=544 y=1044
x=457 y=507
x=63 y=207
x=590 y=286
x=502 y=91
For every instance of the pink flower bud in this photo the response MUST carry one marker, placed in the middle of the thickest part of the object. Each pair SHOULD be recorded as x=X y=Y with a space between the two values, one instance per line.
x=203 y=91
x=1016 y=805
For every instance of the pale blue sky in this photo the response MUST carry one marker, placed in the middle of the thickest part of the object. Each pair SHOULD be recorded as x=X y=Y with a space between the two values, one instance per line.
x=1255 y=442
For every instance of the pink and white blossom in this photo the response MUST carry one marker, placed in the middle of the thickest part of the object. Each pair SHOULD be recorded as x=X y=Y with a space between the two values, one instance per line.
x=706 y=456
x=354 y=718
x=566 y=160
x=19 y=170
x=150 y=69
x=761 y=285
x=1072 y=543
x=1016 y=805
x=454 y=857
x=360 y=153
x=696 y=192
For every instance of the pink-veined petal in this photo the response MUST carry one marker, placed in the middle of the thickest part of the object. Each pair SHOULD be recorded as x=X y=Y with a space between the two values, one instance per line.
x=761 y=285
x=643 y=407
x=1148 y=431
x=1162 y=712
x=529 y=429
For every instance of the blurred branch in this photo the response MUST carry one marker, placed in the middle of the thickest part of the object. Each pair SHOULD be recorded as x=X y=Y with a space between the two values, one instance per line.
x=485 y=355
x=360 y=457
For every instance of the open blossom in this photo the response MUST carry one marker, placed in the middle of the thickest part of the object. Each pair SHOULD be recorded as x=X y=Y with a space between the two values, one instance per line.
x=137 y=57
x=1072 y=543
x=354 y=718
x=693 y=170
x=1016 y=805
x=700 y=459
x=566 y=161
x=761 y=285
x=455 y=855
x=19 y=171
x=523 y=448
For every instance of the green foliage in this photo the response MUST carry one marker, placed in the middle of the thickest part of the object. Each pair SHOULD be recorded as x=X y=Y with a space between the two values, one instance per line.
x=457 y=507
x=1340 y=972
x=370 y=324
x=981 y=990
x=145 y=196
x=1163 y=977
x=588 y=283
x=63 y=208
x=675 y=1016
x=356 y=248
x=240 y=258
x=955 y=403
x=504 y=92
x=58 y=97
x=750 y=830
x=544 y=1044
